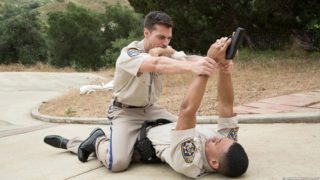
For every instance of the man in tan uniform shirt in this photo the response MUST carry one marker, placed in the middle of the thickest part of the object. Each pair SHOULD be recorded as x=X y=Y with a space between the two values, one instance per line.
x=138 y=85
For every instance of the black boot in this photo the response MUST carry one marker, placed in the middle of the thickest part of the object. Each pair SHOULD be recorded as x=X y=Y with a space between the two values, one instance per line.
x=88 y=146
x=56 y=141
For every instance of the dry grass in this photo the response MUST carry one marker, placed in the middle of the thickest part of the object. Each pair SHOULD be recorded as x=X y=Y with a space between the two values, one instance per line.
x=253 y=80
x=39 y=67
x=95 y=5
x=73 y=104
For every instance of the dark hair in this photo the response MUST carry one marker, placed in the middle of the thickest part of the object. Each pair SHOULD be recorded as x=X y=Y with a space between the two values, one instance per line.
x=157 y=17
x=235 y=162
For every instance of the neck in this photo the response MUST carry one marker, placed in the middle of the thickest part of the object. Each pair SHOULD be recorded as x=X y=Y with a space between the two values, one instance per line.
x=145 y=46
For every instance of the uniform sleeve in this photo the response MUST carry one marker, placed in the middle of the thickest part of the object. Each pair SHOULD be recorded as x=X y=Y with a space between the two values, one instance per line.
x=131 y=59
x=228 y=127
x=184 y=154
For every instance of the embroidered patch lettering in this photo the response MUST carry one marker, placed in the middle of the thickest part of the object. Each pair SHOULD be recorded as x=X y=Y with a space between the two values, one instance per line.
x=233 y=134
x=133 y=52
x=188 y=150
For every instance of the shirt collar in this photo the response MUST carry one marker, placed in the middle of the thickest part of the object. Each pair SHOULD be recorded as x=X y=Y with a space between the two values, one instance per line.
x=140 y=45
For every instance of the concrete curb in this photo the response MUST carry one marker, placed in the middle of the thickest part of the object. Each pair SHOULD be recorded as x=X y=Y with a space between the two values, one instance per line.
x=307 y=117
x=71 y=120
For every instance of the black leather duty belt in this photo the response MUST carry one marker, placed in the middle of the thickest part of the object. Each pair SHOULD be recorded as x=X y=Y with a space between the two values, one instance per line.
x=121 y=105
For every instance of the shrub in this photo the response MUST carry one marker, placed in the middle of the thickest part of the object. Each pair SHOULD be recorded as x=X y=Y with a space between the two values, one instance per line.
x=75 y=38
x=122 y=26
x=112 y=53
x=21 y=39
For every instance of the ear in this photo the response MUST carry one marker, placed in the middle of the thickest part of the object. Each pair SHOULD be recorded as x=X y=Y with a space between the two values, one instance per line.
x=214 y=164
x=146 y=32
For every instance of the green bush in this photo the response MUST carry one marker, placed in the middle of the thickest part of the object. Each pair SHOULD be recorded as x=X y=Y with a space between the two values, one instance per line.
x=199 y=23
x=113 y=52
x=122 y=26
x=21 y=39
x=119 y=22
x=83 y=39
x=75 y=38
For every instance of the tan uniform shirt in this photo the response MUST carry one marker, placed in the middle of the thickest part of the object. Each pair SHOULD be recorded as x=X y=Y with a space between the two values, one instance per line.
x=184 y=150
x=130 y=86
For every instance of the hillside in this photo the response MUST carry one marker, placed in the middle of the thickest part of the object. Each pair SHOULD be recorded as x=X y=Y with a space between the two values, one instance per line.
x=46 y=6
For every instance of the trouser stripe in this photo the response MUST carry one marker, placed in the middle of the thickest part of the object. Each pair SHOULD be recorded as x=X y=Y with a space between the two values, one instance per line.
x=110 y=150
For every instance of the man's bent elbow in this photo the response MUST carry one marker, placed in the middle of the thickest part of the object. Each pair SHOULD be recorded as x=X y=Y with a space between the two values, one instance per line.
x=187 y=109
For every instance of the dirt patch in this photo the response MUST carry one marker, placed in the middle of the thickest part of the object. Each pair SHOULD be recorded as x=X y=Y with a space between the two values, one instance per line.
x=72 y=104
x=253 y=80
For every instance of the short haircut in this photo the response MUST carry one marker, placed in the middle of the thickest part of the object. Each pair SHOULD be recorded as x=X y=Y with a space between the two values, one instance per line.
x=235 y=162
x=157 y=17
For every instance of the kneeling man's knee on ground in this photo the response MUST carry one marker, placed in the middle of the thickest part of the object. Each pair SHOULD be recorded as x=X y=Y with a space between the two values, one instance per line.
x=120 y=165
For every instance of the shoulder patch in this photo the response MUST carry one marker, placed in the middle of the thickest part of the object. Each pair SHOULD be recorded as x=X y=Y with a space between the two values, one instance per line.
x=133 y=52
x=188 y=150
x=233 y=134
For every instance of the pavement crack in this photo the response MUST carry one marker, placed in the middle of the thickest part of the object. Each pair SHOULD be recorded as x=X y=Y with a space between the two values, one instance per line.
x=84 y=172
x=17 y=131
x=313 y=103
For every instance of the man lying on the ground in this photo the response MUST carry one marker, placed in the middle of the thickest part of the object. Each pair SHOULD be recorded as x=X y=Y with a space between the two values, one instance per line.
x=198 y=151
x=191 y=151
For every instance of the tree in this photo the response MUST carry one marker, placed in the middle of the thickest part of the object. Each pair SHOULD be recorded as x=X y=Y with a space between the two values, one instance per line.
x=120 y=21
x=289 y=17
x=121 y=26
x=75 y=38
x=197 y=27
x=199 y=23
x=22 y=40
x=84 y=39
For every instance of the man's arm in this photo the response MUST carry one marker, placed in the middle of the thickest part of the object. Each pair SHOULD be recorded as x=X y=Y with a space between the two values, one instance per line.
x=168 y=65
x=195 y=93
x=227 y=123
x=160 y=61
x=193 y=57
x=192 y=100
x=191 y=103
x=225 y=94
x=225 y=88
x=163 y=64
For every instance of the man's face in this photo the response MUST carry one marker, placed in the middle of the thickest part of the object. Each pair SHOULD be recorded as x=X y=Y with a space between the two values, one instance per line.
x=217 y=147
x=160 y=36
